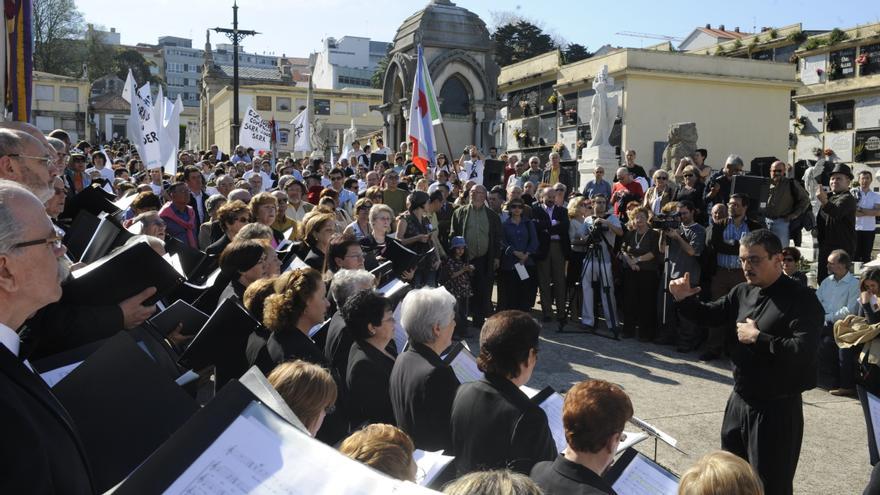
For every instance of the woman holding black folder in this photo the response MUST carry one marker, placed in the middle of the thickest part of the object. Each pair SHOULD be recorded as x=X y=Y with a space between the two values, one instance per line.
x=299 y=303
x=414 y=232
x=368 y=317
x=494 y=424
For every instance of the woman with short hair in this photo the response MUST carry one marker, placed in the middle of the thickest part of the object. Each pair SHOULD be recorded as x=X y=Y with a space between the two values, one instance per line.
x=593 y=414
x=720 y=473
x=422 y=386
x=413 y=232
x=383 y=447
x=640 y=252
x=264 y=210
x=232 y=217
x=360 y=227
x=373 y=243
x=307 y=388
x=791 y=259
x=243 y=262
x=368 y=317
x=210 y=230
x=494 y=424
x=497 y=482
x=691 y=188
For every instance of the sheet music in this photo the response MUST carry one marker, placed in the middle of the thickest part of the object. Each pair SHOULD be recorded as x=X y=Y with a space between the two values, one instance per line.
x=632 y=438
x=430 y=465
x=643 y=477
x=465 y=367
x=392 y=286
x=874 y=410
x=52 y=377
x=521 y=271
x=248 y=458
x=400 y=336
x=653 y=430
x=552 y=407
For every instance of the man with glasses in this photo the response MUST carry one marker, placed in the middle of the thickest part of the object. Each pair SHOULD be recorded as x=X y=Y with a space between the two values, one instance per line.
x=718 y=187
x=778 y=322
x=786 y=202
x=866 y=216
x=551 y=225
x=607 y=226
x=41 y=444
x=725 y=243
x=555 y=173
x=598 y=185
x=346 y=197
x=257 y=170
x=534 y=174
x=180 y=218
x=25 y=160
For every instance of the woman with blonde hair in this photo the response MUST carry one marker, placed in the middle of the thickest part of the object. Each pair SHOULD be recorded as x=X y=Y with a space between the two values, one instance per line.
x=720 y=473
x=640 y=252
x=383 y=447
x=308 y=389
x=498 y=482
x=691 y=188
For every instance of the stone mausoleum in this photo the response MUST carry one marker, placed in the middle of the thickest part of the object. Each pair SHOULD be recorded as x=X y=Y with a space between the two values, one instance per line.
x=460 y=58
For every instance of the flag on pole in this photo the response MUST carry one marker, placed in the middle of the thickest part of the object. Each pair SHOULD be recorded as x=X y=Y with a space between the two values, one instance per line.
x=142 y=128
x=171 y=127
x=421 y=129
x=433 y=107
x=20 y=57
x=301 y=130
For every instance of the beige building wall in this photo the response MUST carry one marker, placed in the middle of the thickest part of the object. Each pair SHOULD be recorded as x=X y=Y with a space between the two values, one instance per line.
x=732 y=117
x=60 y=102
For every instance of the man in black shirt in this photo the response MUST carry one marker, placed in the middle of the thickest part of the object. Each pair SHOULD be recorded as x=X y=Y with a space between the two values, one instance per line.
x=778 y=325
x=836 y=221
x=718 y=187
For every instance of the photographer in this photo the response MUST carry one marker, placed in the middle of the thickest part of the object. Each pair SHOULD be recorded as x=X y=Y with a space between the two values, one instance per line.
x=685 y=244
x=603 y=228
x=472 y=164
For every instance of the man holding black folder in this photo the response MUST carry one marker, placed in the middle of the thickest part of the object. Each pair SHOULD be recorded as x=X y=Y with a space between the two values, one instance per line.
x=41 y=451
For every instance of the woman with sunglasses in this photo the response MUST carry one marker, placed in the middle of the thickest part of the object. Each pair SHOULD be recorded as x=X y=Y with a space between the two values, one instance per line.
x=519 y=243
x=659 y=194
x=791 y=258
x=360 y=227
x=691 y=189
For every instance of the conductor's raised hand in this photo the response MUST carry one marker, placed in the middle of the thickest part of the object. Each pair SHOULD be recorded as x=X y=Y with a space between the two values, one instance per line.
x=681 y=289
x=133 y=310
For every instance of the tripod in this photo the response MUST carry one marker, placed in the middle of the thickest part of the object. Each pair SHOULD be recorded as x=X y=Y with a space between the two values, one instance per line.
x=596 y=259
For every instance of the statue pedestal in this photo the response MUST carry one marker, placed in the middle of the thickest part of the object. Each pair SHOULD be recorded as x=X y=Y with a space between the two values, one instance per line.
x=601 y=156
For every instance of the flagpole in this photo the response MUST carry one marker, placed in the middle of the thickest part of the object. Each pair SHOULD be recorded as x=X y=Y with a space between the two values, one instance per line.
x=448 y=146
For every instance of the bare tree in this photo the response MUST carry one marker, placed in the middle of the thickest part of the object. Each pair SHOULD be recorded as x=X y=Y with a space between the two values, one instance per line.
x=56 y=23
x=504 y=17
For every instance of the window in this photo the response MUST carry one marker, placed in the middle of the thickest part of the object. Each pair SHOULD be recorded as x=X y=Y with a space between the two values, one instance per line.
x=867 y=146
x=185 y=81
x=68 y=94
x=454 y=98
x=284 y=136
x=842 y=64
x=264 y=103
x=44 y=93
x=340 y=108
x=359 y=109
x=322 y=107
x=282 y=104
x=839 y=115
x=68 y=124
x=354 y=81
x=869 y=58
x=300 y=103
x=45 y=123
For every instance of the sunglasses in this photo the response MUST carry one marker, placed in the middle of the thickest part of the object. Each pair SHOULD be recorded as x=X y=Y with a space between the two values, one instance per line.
x=688 y=175
x=515 y=207
x=662 y=178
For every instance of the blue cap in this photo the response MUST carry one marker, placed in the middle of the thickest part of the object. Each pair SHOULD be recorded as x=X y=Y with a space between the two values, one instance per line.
x=458 y=241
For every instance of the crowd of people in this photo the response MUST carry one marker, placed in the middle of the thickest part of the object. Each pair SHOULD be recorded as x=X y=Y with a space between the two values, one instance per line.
x=659 y=256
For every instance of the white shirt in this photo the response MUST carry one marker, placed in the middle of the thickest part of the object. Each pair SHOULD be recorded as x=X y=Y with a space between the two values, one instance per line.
x=385 y=150
x=158 y=189
x=199 y=204
x=10 y=339
x=473 y=170
x=867 y=200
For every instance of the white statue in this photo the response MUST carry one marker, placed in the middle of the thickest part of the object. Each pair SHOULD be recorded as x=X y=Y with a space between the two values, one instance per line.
x=348 y=137
x=496 y=128
x=317 y=141
x=603 y=110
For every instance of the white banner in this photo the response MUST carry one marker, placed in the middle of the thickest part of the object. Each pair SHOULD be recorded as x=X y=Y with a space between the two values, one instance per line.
x=301 y=131
x=171 y=126
x=142 y=127
x=255 y=132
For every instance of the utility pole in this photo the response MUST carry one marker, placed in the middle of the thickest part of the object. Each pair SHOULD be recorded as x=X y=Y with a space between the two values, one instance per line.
x=235 y=35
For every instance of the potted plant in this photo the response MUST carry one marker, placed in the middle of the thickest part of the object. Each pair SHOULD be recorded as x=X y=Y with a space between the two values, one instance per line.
x=524 y=107
x=571 y=116
x=522 y=137
x=552 y=100
x=859 y=152
x=559 y=147
x=800 y=124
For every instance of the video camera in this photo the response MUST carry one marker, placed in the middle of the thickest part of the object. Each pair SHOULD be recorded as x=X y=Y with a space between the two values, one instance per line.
x=666 y=221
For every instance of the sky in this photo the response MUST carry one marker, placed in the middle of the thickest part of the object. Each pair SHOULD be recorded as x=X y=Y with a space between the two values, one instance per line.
x=297 y=27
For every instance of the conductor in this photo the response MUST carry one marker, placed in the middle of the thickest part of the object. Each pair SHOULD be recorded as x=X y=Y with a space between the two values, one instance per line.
x=773 y=353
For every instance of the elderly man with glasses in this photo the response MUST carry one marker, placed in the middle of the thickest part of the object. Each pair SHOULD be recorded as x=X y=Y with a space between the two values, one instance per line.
x=27 y=161
x=787 y=201
x=718 y=187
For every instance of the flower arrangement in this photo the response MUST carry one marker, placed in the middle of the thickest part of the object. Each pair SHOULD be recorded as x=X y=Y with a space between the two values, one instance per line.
x=581 y=144
x=521 y=134
x=800 y=123
x=571 y=113
x=828 y=152
x=820 y=71
x=862 y=59
x=559 y=147
x=552 y=99
x=523 y=104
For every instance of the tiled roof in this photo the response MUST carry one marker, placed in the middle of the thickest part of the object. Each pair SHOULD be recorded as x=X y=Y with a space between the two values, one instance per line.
x=110 y=103
x=723 y=33
x=253 y=73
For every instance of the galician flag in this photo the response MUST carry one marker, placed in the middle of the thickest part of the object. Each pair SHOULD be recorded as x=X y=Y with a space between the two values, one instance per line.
x=422 y=107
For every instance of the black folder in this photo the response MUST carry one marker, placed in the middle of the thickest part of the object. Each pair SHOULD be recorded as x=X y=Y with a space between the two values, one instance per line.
x=376 y=158
x=123 y=406
x=179 y=312
x=102 y=241
x=120 y=275
x=80 y=233
x=92 y=199
x=401 y=257
x=222 y=342
x=191 y=259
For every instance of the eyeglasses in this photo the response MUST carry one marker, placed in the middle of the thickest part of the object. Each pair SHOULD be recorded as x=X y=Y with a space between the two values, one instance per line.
x=359 y=256
x=688 y=175
x=45 y=160
x=515 y=207
x=54 y=242
x=662 y=178
x=752 y=260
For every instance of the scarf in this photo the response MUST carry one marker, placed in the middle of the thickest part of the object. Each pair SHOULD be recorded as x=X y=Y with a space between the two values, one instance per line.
x=189 y=226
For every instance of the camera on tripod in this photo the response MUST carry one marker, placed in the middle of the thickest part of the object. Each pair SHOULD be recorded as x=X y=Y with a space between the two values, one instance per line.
x=666 y=221
x=594 y=235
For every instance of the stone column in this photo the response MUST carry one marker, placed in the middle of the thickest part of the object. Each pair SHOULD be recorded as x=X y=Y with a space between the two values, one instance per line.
x=479 y=115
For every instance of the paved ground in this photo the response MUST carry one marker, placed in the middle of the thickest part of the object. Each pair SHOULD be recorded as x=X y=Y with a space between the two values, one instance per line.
x=686 y=399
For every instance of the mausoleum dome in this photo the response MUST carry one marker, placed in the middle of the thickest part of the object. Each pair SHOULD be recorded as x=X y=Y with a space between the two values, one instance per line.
x=443 y=24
